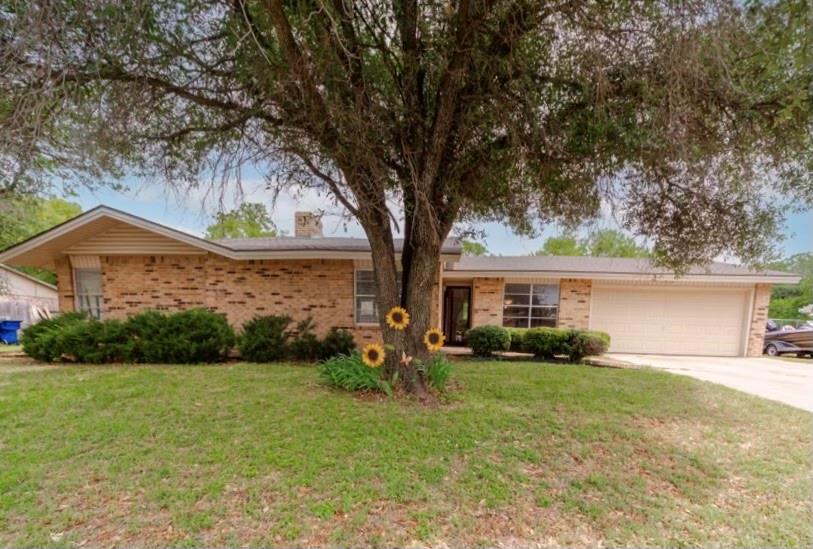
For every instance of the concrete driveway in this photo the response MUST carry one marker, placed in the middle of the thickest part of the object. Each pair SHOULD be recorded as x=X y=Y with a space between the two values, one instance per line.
x=787 y=381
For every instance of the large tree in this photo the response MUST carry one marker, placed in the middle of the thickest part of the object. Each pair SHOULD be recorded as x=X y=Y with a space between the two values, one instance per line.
x=690 y=118
x=248 y=220
x=23 y=216
x=601 y=243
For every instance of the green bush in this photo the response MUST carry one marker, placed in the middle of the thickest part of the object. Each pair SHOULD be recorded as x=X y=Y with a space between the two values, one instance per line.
x=337 y=342
x=575 y=344
x=486 y=340
x=546 y=342
x=182 y=338
x=305 y=345
x=265 y=338
x=517 y=339
x=584 y=343
x=351 y=374
x=39 y=340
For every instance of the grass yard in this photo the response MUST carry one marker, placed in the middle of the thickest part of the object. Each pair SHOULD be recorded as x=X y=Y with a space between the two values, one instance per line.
x=10 y=348
x=525 y=454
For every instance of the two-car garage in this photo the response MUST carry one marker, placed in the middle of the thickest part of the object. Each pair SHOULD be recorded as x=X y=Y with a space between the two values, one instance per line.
x=672 y=318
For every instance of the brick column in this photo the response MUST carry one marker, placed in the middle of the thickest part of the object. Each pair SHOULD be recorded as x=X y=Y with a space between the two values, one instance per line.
x=487 y=301
x=759 y=316
x=64 y=285
x=574 y=303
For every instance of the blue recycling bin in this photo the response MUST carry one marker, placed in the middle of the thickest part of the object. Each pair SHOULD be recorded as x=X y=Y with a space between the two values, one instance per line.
x=8 y=331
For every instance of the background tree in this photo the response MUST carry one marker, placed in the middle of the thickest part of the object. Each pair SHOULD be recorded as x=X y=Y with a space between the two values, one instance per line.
x=471 y=247
x=602 y=243
x=249 y=220
x=22 y=217
x=787 y=299
x=690 y=118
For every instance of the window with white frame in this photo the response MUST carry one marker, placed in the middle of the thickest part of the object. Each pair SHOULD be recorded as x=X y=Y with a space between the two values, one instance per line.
x=366 y=307
x=530 y=305
x=88 y=291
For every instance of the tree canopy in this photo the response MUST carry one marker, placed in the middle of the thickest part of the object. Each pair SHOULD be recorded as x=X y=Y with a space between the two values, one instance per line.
x=602 y=243
x=22 y=217
x=692 y=119
x=786 y=300
x=471 y=247
x=249 y=220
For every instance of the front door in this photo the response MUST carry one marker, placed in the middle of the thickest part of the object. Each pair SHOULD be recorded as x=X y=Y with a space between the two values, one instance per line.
x=456 y=313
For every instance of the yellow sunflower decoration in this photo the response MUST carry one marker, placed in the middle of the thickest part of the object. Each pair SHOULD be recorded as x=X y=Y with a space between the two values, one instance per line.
x=433 y=339
x=397 y=318
x=373 y=355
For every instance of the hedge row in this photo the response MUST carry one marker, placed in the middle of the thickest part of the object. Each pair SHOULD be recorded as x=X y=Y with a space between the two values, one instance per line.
x=150 y=337
x=187 y=337
x=544 y=343
x=268 y=339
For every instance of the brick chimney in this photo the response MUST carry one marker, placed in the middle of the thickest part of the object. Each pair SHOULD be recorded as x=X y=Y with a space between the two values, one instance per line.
x=307 y=225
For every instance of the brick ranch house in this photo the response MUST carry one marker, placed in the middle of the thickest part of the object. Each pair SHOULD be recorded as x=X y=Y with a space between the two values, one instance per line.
x=112 y=264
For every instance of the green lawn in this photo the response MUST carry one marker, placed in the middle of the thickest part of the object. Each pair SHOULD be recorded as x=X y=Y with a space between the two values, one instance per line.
x=524 y=453
x=10 y=348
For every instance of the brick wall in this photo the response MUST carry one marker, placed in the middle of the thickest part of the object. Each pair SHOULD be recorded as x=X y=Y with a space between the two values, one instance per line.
x=64 y=284
x=321 y=289
x=487 y=301
x=574 y=303
x=759 y=316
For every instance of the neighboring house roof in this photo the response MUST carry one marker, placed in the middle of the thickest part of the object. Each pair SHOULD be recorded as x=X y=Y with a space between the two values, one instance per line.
x=43 y=248
x=604 y=268
x=27 y=276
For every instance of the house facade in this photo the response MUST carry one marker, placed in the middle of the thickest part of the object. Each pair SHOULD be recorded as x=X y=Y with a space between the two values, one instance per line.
x=25 y=298
x=112 y=264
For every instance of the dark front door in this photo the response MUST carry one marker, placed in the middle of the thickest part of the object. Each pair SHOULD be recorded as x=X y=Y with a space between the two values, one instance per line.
x=456 y=313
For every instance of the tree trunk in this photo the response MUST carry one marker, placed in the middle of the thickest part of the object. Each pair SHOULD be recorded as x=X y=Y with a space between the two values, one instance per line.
x=422 y=267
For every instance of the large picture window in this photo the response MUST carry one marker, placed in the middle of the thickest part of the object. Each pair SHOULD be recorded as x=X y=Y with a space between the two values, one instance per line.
x=530 y=305
x=366 y=307
x=88 y=291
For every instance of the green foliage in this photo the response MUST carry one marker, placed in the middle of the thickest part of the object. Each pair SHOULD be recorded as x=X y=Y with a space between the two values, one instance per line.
x=22 y=217
x=249 y=220
x=437 y=371
x=194 y=336
x=268 y=339
x=486 y=340
x=337 y=342
x=565 y=245
x=265 y=338
x=473 y=248
x=38 y=340
x=348 y=372
x=575 y=344
x=305 y=345
x=603 y=243
x=786 y=299
x=517 y=339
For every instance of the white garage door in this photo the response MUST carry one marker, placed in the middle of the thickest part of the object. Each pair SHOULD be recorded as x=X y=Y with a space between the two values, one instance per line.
x=671 y=320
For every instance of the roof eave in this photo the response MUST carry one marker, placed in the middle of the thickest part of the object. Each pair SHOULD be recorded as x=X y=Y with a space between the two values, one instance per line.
x=642 y=277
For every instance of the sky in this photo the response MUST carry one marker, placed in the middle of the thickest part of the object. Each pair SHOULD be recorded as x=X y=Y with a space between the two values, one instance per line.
x=193 y=211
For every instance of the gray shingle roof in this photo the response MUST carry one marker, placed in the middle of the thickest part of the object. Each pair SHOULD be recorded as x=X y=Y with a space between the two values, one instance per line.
x=329 y=243
x=593 y=265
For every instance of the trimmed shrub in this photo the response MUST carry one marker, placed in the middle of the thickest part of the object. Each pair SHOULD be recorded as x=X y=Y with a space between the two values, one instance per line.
x=486 y=340
x=585 y=343
x=517 y=339
x=265 y=338
x=351 y=374
x=337 y=342
x=181 y=338
x=546 y=342
x=305 y=345
x=39 y=340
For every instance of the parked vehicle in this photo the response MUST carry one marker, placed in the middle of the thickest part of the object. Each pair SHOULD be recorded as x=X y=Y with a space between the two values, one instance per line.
x=779 y=341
